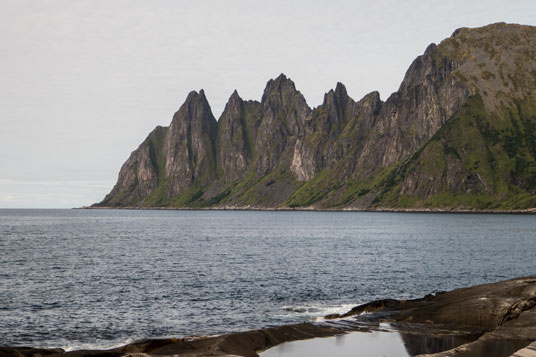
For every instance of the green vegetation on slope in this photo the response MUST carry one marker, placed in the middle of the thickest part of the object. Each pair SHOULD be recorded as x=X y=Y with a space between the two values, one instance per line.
x=476 y=160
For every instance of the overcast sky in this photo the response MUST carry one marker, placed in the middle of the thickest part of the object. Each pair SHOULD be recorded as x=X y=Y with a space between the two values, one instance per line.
x=84 y=82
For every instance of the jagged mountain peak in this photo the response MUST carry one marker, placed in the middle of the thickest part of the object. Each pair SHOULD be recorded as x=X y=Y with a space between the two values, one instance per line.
x=430 y=48
x=340 y=89
x=195 y=106
x=232 y=107
x=281 y=85
x=196 y=96
x=372 y=96
x=234 y=98
x=339 y=95
x=371 y=102
x=282 y=78
x=235 y=94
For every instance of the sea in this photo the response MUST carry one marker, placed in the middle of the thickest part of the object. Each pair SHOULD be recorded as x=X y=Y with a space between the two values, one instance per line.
x=79 y=279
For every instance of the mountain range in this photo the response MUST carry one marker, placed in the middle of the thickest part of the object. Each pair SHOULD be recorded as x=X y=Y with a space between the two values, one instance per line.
x=459 y=134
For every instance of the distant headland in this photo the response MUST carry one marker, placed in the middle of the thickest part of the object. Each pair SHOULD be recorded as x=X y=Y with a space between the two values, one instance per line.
x=458 y=135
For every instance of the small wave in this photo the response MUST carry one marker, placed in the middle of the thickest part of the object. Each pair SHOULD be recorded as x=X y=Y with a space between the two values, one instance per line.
x=75 y=346
x=317 y=312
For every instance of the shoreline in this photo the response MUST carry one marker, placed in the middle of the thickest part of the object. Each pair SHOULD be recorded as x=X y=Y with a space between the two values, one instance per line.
x=528 y=211
x=491 y=316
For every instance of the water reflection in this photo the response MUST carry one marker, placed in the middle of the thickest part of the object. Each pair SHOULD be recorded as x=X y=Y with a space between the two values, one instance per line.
x=375 y=343
x=383 y=342
x=416 y=343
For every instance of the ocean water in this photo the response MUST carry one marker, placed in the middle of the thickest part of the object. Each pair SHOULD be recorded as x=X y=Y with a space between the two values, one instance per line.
x=101 y=278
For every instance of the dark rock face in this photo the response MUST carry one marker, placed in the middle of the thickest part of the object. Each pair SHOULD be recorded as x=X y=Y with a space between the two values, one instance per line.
x=318 y=146
x=233 y=143
x=139 y=175
x=171 y=158
x=458 y=134
x=503 y=314
x=28 y=351
x=474 y=153
x=427 y=97
x=190 y=150
x=283 y=112
x=483 y=307
x=334 y=129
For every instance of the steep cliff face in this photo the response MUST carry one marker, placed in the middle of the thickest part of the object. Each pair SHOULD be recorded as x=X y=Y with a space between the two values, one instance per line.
x=141 y=173
x=318 y=145
x=335 y=128
x=190 y=146
x=284 y=111
x=428 y=96
x=485 y=156
x=233 y=142
x=459 y=133
x=325 y=157
x=171 y=159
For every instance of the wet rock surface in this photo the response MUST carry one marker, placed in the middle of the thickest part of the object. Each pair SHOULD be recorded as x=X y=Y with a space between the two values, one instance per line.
x=503 y=313
x=497 y=319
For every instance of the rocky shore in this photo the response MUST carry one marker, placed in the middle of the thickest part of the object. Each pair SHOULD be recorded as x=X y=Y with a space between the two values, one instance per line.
x=497 y=319
x=316 y=209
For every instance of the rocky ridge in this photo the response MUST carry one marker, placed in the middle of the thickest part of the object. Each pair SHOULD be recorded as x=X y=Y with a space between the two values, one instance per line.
x=459 y=134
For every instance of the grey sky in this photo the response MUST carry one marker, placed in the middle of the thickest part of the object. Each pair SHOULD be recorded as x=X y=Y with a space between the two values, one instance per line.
x=84 y=82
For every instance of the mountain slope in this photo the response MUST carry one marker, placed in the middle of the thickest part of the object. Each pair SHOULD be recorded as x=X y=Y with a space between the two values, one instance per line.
x=484 y=157
x=458 y=134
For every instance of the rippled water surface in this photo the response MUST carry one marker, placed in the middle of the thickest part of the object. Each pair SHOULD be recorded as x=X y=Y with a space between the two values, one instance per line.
x=98 y=278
